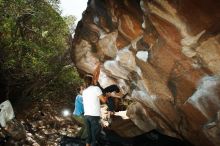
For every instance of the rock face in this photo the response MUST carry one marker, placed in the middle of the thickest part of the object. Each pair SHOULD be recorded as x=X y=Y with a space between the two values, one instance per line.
x=166 y=54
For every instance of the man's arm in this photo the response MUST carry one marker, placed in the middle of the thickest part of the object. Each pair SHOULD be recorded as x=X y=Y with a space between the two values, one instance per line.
x=117 y=95
x=96 y=74
x=103 y=98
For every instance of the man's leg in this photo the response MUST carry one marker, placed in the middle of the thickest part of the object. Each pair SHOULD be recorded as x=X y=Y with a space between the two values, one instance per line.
x=95 y=129
x=88 y=129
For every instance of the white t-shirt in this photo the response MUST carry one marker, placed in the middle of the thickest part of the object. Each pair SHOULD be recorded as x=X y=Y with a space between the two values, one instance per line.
x=91 y=101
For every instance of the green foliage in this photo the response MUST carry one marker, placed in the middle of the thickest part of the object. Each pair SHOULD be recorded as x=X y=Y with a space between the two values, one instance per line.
x=54 y=4
x=34 y=50
x=68 y=79
x=70 y=21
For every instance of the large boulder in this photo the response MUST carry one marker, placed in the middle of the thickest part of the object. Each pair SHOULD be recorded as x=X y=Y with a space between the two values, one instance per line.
x=165 y=54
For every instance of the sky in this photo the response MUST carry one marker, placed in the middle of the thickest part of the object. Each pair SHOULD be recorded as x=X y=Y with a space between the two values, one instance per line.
x=73 y=7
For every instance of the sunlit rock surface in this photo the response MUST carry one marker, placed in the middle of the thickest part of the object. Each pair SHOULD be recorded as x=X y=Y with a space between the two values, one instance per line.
x=165 y=54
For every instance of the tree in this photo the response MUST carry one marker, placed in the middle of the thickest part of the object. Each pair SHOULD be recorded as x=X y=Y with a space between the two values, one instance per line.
x=54 y=4
x=33 y=50
x=70 y=21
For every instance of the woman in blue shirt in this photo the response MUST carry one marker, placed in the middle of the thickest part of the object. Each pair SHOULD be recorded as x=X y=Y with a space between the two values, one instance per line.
x=79 y=110
x=78 y=113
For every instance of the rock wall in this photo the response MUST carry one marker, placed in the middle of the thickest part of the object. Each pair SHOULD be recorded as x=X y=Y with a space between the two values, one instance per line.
x=165 y=54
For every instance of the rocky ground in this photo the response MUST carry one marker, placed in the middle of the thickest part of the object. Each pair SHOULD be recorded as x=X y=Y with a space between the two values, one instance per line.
x=42 y=124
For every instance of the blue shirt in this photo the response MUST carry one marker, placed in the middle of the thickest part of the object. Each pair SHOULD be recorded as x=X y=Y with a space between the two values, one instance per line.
x=79 y=110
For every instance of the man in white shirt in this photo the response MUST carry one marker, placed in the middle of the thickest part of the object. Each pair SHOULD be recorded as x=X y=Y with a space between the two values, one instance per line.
x=92 y=96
